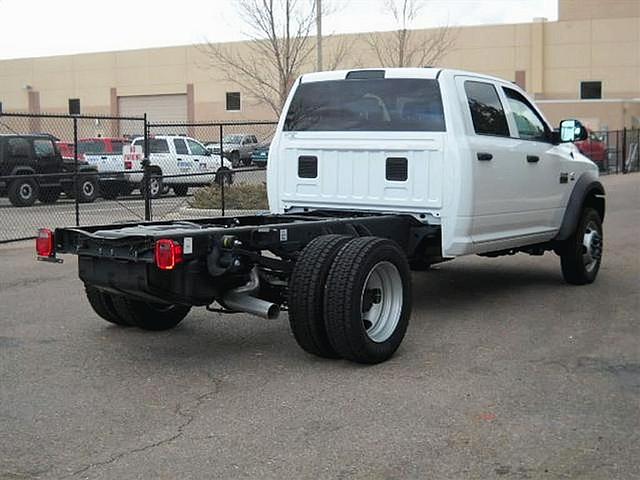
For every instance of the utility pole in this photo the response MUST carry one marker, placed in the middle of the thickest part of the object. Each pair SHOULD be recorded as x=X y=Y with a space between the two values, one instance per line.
x=319 y=35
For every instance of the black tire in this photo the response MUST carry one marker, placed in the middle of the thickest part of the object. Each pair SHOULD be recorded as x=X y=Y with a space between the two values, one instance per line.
x=102 y=304
x=49 y=195
x=345 y=299
x=306 y=294
x=224 y=175
x=574 y=253
x=87 y=189
x=149 y=316
x=180 y=190
x=235 y=159
x=23 y=192
x=156 y=186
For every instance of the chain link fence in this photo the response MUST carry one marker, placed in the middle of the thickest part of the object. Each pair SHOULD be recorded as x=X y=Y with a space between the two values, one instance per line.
x=60 y=170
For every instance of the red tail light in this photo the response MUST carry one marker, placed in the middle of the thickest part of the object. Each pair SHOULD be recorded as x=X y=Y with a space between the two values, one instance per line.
x=128 y=165
x=168 y=254
x=44 y=243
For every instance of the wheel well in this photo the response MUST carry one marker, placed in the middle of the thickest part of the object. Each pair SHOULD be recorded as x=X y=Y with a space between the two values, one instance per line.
x=595 y=200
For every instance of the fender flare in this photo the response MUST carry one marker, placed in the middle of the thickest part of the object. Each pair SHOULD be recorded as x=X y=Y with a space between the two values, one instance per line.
x=588 y=186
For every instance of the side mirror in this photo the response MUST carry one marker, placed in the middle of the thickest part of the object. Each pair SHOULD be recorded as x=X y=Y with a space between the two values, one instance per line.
x=572 y=131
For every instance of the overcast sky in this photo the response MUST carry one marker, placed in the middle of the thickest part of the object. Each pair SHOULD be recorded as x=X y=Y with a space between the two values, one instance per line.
x=45 y=27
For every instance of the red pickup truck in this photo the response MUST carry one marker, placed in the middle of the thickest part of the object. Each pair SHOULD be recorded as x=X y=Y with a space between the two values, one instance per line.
x=595 y=148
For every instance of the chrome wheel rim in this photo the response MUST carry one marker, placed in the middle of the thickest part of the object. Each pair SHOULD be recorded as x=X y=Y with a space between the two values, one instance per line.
x=381 y=301
x=25 y=191
x=154 y=186
x=87 y=189
x=591 y=247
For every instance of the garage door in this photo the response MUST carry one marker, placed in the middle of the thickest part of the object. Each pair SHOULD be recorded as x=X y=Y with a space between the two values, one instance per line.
x=159 y=109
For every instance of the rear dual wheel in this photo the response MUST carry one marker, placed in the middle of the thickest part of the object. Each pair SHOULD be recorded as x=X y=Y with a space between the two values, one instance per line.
x=350 y=298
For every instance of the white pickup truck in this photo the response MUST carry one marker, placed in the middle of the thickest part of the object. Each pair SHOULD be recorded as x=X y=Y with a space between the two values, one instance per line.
x=371 y=173
x=178 y=162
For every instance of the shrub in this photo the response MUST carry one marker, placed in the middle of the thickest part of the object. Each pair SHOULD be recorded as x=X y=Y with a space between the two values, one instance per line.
x=239 y=196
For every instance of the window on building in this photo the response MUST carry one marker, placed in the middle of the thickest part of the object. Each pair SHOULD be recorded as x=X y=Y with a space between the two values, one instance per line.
x=530 y=125
x=590 y=90
x=233 y=101
x=74 y=106
x=487 y=112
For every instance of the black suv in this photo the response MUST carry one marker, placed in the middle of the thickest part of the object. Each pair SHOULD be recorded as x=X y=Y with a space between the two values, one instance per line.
x=34 y=159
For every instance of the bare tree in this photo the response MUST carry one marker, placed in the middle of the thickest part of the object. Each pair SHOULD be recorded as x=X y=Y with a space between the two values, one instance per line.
x=279 y=47
x=405 y=47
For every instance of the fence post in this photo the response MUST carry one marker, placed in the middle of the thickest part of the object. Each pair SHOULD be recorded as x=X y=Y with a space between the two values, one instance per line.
x=76 y=191
x=221 y=182
x=624 y=150
x=145 y=173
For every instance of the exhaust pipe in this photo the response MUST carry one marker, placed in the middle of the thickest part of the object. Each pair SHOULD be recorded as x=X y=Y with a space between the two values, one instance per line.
x=244 y=302
x=240 y=299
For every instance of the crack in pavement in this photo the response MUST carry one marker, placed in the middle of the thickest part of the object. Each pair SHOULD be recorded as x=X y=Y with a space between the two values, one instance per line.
x=187 y=413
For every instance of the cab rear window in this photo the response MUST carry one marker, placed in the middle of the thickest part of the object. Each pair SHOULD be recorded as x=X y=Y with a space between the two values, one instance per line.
x=376 y=105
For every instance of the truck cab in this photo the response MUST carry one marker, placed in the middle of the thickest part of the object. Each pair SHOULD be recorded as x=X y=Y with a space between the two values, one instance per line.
x=467 y=152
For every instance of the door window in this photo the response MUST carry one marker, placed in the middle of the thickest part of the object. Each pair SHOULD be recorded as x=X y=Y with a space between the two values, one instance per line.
x=181 y=147
x=196 y=148
x=529 y=124
x=486 y=109
x=43 y=148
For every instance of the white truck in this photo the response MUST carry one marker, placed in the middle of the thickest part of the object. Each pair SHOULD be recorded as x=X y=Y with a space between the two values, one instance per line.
x=371 y=173
x=177 y=162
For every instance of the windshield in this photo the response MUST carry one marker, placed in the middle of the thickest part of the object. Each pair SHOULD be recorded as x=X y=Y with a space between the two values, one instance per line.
x=232 y=139
x=91 y=146
x=397 y=104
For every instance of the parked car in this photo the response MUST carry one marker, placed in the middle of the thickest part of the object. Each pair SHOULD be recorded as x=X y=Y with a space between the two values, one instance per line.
x=105 y=154
x=438 y=166
x=260 y=155
x=595 y=148
x=185 y=162
x=27 y=155
x=237 y=148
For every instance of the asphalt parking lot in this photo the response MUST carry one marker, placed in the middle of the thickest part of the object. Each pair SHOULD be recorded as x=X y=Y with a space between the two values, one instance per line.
x=505 y=373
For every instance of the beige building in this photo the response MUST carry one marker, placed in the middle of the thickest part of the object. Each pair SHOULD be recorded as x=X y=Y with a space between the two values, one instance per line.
x=585 y=65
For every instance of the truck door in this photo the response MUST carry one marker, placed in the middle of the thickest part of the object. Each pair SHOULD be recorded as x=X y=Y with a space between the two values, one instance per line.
x=185 y=163
x=543 y=162
x=501 y=209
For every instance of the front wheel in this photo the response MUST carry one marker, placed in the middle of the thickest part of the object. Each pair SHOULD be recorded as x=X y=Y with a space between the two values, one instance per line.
x=149 y=316
x=367 y=300
x=581 y=253
x=155 y=186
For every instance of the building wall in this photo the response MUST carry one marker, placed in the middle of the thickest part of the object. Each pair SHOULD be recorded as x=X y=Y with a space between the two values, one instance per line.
x=592 y=40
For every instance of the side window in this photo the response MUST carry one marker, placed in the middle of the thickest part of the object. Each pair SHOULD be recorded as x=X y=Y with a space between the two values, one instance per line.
x=487 y=112
x=181 y=147
x=18 y=147
x=530 y=125
x=254 y=139
x=43 y=148
x=196 y=148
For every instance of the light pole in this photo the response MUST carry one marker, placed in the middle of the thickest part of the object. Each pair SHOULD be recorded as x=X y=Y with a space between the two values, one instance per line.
x=319 y=35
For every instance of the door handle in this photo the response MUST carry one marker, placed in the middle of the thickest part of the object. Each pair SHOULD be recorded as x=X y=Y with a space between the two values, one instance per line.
x=178 y=159
x=533 y=158
x=484 y=157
